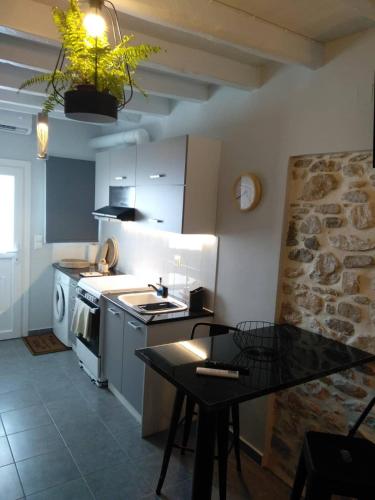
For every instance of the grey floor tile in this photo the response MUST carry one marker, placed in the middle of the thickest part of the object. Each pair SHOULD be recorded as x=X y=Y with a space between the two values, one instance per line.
x=121 y=482
x=69 y=409
x=18 y=399
x=45 y=471
x=73 y=490
x=95 y=451
x=25 y=418
x=2 y=430
x=11 y=488
x=5 y=453
x=35 y=442
x=55 y=391
x=177 y=491
x=136 y=447
x=14 y=382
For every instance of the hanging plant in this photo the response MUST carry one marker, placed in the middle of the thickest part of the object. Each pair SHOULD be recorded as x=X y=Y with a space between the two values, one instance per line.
x=88 y=63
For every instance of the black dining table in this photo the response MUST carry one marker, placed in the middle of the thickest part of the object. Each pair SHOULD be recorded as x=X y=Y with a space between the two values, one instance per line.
x=270 y=359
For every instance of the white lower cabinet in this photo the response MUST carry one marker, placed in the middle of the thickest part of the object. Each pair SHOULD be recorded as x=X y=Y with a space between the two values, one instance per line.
x=147 y=395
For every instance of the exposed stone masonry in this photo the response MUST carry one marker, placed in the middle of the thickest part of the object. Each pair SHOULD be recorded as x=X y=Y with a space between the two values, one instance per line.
x=328 y=287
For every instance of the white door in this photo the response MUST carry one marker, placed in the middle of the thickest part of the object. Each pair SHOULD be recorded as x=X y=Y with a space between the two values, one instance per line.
x=12 y=249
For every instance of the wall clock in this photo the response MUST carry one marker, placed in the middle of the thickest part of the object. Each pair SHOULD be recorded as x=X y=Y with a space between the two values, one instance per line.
x=247 y=191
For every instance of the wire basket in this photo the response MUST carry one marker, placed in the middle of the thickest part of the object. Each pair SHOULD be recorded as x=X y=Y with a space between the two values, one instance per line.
x=258 y=340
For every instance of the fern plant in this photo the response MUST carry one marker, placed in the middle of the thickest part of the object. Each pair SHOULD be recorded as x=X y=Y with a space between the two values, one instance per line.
x=90 y=61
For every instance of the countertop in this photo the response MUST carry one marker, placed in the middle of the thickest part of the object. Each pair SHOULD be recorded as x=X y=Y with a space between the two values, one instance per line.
x=156 y=319
x=74 y=274
x=299 y=356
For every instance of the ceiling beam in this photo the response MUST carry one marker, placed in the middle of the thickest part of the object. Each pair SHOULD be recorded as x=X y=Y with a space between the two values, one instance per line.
x=42 y=58
x=33 y=21
x=214 y=20
x=12 y=77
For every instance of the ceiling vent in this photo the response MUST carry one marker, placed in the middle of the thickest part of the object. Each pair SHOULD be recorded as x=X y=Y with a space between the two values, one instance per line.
x=15 y=123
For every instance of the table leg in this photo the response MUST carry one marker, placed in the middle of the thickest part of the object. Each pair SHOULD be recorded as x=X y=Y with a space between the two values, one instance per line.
x=204 y=455
x=222 y=442
x=179 y=399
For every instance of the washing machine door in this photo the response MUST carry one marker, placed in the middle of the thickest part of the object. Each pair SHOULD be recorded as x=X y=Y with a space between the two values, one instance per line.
x=59 y=303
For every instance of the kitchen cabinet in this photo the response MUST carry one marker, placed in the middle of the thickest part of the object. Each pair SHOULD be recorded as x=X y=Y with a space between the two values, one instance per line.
x=146 y=395
x=175 y=182
x=162 y=163
x=102 y=179
x=114 y=167
x=133 y=370
x=160 y=207
x=122 y=164
x=114 y=320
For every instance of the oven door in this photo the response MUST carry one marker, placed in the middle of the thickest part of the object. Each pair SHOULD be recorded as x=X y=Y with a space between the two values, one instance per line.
x=92 y=340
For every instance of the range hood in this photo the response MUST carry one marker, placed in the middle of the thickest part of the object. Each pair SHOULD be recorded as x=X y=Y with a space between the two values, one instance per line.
x=115 y=213
x=121 y=204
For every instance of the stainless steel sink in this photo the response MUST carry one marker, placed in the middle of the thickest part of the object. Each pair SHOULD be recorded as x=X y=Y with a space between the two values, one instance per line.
x=150 y=303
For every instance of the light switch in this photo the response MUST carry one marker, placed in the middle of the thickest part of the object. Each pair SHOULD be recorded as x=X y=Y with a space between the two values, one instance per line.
x=38 y=241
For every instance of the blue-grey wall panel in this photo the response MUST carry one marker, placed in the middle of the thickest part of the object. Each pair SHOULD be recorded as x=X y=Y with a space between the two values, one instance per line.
x=70 y=198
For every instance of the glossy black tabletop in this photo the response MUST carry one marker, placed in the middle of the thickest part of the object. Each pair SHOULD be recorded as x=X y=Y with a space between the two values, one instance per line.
x=276 y=358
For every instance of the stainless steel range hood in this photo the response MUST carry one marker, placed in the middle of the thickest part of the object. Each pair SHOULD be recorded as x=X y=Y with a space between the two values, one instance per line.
x=115 y=213
x=121 y=204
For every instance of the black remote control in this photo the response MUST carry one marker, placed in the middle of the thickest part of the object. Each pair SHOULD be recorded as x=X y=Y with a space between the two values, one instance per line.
x=226 y=366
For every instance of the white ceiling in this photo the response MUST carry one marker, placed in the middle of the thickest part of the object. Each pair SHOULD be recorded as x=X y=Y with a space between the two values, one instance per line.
x=206 y=44
x=321 y=20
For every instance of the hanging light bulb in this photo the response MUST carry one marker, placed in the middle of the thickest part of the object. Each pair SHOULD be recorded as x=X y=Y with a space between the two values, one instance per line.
x=94 y=22
x=42 y=135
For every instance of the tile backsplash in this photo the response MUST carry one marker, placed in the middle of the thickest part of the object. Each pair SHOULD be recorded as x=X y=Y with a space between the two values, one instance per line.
x=184 y=261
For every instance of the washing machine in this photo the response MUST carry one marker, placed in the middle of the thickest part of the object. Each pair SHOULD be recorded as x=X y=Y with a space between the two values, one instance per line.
x=61 y=290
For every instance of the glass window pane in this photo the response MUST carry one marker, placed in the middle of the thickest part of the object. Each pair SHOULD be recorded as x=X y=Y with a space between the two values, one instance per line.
x=7 y=185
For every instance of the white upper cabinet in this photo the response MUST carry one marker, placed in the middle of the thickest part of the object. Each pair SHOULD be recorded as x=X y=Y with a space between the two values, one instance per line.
x=162 y=162
x=176 y=182
x=102 y=179
x=122 y=166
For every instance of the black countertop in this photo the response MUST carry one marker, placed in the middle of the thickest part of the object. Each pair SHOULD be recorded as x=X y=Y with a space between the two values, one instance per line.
x=153 y=319
x=74 y=274
x=299 y=356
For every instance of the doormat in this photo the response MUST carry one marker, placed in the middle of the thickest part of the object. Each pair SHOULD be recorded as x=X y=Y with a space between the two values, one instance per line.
x=44 y=344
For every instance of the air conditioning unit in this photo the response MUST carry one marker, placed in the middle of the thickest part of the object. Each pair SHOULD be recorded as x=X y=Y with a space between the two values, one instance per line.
x=15 y=123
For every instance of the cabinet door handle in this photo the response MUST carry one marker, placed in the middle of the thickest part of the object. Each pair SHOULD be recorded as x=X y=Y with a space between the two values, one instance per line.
x=157 y=176
x=112 y=311
x=120 y=178
x=157 y=221
x=134 y=325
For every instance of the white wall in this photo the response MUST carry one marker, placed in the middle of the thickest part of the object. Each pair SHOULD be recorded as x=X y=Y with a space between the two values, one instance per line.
x=67 y=139
x=296 y=111
x=184 y=261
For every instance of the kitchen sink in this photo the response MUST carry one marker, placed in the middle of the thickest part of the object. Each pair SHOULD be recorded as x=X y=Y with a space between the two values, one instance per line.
x=150 y=303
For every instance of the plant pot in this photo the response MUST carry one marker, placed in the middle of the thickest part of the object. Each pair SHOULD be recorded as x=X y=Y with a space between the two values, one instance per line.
x=86 y=104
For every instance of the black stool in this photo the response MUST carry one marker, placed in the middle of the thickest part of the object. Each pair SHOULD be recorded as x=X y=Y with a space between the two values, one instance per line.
x=214 y=329
x=331 y=464
x=221 y=430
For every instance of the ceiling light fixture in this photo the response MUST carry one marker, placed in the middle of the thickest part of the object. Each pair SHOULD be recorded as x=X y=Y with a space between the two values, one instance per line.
x=42 y=135
x=94 y=65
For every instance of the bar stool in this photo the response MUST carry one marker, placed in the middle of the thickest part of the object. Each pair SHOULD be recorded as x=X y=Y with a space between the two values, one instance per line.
x=331 y=464
x=221 y=433
x=214 y=329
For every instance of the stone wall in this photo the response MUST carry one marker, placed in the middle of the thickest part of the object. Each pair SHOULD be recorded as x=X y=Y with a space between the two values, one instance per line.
x=327 y=285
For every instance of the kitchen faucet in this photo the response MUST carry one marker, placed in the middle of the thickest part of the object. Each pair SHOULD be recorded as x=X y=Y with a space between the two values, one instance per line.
x=160 y=290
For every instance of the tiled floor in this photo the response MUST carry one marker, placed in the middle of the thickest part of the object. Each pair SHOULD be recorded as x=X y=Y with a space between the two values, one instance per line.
x=63 y=438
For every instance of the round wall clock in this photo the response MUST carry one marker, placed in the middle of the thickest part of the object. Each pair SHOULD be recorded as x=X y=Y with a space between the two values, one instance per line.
x=247 y=191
